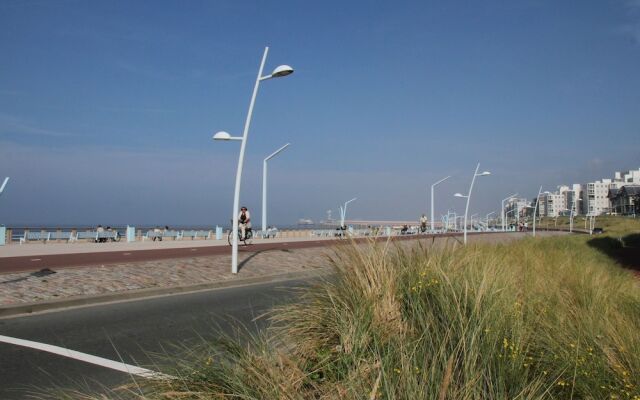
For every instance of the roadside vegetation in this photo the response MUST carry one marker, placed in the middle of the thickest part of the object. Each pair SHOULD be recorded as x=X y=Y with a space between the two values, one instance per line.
x=610 y=224
x=539 y=318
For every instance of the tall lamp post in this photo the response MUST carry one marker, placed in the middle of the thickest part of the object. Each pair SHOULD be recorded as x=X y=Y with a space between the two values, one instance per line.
x=572 y=214
x=471 y=219
x=4 y=184
x=343 y=211
x=503 y=200
x=535 y=210
x=264 y=185
x=507 y=215
x=432 y=186
x=468 y=197
x=282 y=70
x=492 y=212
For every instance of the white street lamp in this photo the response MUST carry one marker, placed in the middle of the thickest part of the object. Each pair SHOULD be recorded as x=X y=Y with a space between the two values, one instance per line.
x=572 y=214
x=506 y=215
x=432 y=186
x=264 y=185
x=487 y=217
x=343 y=211
x=535 y=209
x=503 y=200
x=282 y=70
x=468 y=197
x=4 y=184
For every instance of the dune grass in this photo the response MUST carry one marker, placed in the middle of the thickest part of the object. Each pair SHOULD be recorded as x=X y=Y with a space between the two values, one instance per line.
x=538 y=318
x=611 y=224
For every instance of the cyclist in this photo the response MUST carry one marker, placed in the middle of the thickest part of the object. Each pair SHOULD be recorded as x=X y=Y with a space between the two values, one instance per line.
x=244 y=222
x=423 y=223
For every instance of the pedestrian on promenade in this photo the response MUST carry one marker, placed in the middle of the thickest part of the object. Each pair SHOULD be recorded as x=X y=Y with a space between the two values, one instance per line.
x=157 y=234
x=423 y=223
x=100 y=230
x=244 y=222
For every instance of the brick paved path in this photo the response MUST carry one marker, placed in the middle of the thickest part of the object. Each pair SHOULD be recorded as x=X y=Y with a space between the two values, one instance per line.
x=22 y=288
x=97 y=280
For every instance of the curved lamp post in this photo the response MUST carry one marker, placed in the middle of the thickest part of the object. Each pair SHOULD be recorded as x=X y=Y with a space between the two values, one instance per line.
x=468 y=197
x=343 y=211
x=487 y=217
x=264 y=185
x=507 y=215
x=503 y=200
x=535 y=210
x=432 y=186
x=571 y=214
x=4 y=184
x=282 y=70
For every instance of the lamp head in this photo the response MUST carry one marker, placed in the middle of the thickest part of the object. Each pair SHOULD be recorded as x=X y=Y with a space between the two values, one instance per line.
x=485 y=173
x=222 y=135
x=282 y=70
x=459 y=195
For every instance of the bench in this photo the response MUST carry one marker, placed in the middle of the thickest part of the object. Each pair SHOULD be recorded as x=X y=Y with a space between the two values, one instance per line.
x=269 y=233
x=108 y=235
x=175 y=235
x=196 y=234
x=68 y=236
x=171 y=234
x=44 y=236
x=87 y=235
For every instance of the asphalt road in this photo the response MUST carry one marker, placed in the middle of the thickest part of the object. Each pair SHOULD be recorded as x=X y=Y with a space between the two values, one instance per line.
x=124 y=331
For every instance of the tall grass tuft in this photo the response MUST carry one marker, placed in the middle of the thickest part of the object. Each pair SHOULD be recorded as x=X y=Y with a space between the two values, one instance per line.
x=534 y=319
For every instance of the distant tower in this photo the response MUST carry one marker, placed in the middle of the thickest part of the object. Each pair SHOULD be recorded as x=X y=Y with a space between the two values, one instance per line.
x=329 y=215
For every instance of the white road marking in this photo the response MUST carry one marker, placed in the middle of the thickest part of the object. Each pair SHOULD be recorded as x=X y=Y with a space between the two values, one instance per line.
x=36 y=259
x=194 y=249
x=88 y=358
x=126 y=254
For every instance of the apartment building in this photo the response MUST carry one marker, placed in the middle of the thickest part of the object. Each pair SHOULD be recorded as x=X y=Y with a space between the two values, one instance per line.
x=593 y=198
x=630 y=178
x=516 y=207
x=596 y=197
x=551 y=204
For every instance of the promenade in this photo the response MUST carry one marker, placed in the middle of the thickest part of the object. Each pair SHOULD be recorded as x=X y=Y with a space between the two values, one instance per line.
x=187 y=270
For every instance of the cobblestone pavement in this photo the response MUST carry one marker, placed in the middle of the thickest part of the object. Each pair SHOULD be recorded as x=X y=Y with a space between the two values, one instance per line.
x=22 y=288
x=97 y=280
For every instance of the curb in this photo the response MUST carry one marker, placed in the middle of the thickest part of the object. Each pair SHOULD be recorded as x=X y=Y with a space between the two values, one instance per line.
x=27 y=309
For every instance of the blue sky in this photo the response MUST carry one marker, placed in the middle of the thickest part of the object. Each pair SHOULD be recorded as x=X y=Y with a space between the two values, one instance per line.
x=107 y=108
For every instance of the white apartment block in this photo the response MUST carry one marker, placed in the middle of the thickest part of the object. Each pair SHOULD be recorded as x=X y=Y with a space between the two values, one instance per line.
x=516 y=207
x=595 y=200
x=551 y=204
x=630 y=178
x=589 y=198
x=571 y=198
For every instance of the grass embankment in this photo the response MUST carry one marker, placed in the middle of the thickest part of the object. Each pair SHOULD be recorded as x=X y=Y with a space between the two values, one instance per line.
x=612 y=224
x=548 y=318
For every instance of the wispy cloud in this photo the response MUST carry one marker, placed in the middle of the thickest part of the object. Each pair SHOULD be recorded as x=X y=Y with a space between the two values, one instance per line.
x=632 y=29
x=10 y=124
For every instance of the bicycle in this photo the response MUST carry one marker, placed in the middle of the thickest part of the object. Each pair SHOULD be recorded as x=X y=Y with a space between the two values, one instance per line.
x=248 y=239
